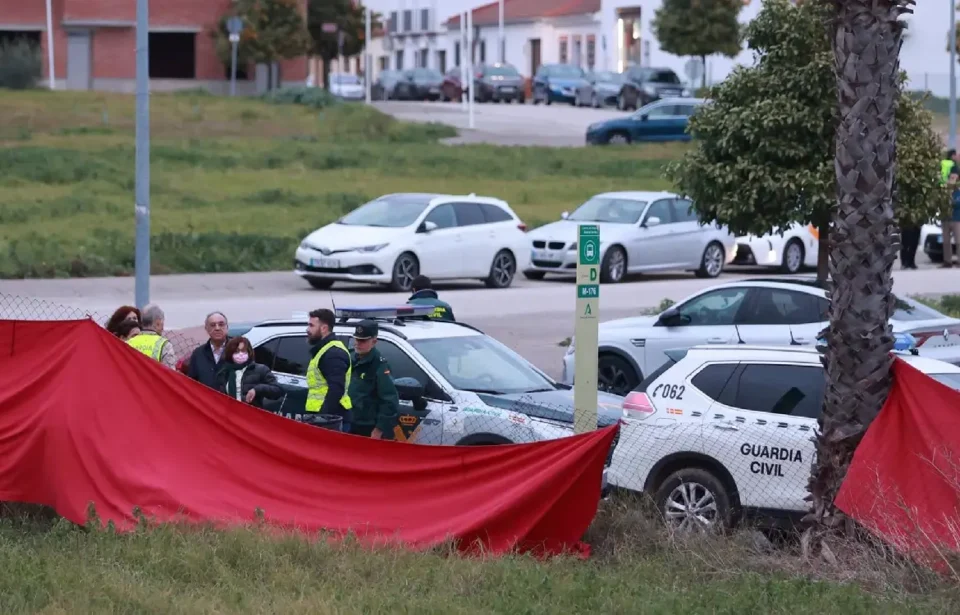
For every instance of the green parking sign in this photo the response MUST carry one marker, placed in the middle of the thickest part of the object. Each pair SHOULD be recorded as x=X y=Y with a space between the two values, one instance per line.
x=588 y=244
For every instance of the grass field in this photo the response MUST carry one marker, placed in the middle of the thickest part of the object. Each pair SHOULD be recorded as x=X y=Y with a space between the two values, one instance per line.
x=58 y=568
x=235 y=184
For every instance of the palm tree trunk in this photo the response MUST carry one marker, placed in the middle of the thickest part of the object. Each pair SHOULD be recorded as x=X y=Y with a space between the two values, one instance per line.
x=863 y=240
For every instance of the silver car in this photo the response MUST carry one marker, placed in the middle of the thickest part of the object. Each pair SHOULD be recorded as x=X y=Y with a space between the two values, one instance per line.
x=639 y=232
x=601 y=89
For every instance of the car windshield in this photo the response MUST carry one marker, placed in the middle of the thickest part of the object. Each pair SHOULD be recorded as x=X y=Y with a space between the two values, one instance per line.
x=910 y=310
x=951 y=380
x=481 y=364
x=608 y=77
x=565 y=71
x=345 y=79
x=427 y=73
x=663 y=76
x=390 y=211
x=501 y=71
x=603 y=209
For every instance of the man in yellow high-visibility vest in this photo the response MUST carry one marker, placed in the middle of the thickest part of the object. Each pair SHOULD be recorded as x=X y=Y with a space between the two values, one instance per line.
x=150 y=341
x=949 y=173
x=328 y=374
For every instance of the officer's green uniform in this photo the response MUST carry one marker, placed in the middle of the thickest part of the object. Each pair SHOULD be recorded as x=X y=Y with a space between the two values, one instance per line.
x=149 y=343
x=441 y=309
x=376 y=403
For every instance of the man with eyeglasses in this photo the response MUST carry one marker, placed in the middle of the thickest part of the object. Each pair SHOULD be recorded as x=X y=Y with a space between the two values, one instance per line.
x=206 y=358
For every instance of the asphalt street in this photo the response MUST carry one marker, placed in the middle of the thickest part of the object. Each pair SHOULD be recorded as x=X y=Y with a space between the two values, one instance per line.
x=531 y=317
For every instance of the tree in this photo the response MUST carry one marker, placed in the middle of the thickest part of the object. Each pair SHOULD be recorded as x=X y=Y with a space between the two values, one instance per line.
x=699 y=28
x=273 y=30
x=764 y=147
x=349 y=17
x=866 y=47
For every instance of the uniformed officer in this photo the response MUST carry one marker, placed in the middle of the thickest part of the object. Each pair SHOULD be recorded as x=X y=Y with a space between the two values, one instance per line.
x=150 y=341
x=328 y=374
x=423 y=294
x=376 y=403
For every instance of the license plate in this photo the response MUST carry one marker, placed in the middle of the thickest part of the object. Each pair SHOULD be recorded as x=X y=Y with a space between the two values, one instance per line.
x=507 y=89
x=325 y=263
x=544 y=255
x=434 y=90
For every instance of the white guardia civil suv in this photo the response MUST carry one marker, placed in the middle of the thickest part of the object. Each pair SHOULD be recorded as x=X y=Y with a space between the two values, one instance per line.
x=396 y=237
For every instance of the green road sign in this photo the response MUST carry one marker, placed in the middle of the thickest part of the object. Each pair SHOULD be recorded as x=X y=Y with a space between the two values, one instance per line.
x=588 y=244
x=588 y=291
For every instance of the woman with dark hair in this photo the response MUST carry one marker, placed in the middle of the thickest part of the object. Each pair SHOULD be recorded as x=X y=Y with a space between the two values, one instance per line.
x=123 y=313
x=242 y=378
x=127 y=330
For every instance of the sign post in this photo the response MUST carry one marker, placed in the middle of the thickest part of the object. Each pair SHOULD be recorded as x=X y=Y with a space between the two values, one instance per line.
x=586 y=328
x=234 y=28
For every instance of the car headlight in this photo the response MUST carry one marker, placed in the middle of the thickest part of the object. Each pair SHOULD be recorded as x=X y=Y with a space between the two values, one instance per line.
x=649 y=90
x=685 y=93
x=375 y=248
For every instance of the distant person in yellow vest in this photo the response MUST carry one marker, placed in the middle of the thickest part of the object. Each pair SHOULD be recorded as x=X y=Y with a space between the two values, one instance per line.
x=949 y=173
x=328 y=375
x=150 y=341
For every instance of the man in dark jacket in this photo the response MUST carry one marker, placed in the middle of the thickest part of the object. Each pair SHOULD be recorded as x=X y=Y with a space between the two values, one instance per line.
x=206 y=358
x=376 y=403
x=423 y=294
x=328 y=374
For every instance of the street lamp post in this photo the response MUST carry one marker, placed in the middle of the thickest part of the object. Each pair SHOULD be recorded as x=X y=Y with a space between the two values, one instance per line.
x=952 y=140
x=50 y=63
x=142 y=181
x=234 y=27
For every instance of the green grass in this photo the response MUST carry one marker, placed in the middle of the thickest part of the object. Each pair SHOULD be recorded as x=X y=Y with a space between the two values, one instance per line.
x=236 y=183
x=59 y=568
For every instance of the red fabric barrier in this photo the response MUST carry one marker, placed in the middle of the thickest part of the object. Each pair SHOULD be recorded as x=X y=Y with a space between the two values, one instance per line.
x=904 y=481
x=85 y=418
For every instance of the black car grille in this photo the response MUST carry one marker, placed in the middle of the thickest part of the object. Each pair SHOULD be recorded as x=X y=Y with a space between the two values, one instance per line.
x=553 y=264
x=539 y=244
x=556 y=245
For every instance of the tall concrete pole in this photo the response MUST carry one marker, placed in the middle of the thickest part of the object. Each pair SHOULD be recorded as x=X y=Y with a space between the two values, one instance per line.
x=367 y=59
x=50 y=37
x=953 y=75
x=142 y=183
x=501 y=52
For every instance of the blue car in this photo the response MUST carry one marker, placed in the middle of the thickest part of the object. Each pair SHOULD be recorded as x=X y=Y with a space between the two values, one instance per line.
x=558 y=83
x=663 y=120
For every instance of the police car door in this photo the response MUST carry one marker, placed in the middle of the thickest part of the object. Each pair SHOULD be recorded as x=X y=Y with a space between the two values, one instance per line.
x=761 y=429
x=421 y=425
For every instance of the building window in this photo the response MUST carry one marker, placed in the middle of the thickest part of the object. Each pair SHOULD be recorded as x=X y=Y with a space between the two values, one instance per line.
x=577 y=51
x=442 y=60
x=563 y=50
x=173 y=55
x=398 y=58
x=425 y=19
x=456 y=54
x=591 y=52
x=382 y=63
x=392 y=23
x=407 y=21
x=424 y=57
x=483 y=51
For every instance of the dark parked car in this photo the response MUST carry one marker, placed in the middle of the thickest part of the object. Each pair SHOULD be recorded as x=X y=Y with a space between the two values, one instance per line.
x=452 y=87
x=933 y=245
x=496 y=82
x=385 y=84
x=600 y=90
x=664 y=120
x=557 y=83
x=419 y=84
x=643 y=85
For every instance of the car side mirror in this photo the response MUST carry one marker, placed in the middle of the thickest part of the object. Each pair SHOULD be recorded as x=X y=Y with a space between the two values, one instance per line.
x=651 y=222
x=670 y=317
x=643 y=118
x=565 y=215
x=409 y=389
x=426 y=226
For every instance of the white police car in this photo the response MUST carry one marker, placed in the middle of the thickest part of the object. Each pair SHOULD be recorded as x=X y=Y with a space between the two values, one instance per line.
x=722 y=432
x=469 y=388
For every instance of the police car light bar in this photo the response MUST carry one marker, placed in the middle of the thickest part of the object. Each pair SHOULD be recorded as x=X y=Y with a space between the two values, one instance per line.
x=902 y=342
x=401 y=311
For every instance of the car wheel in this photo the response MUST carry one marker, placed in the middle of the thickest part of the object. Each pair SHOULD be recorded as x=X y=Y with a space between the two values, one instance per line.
x=405 y=269
x=618 y=138
x=522 y=100
x=320 y=283
x=595 y=101
x=711 y=263
x=614 y=265
x=534 y=275
x=546 y=100
x=536 y=97
x=502 y=270
x=935 y=258
x=621 y=103
x=616 y=375
x=792 y=257
x=694 y=499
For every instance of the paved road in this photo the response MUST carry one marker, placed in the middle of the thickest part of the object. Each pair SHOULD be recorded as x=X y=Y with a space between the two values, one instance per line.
x=531 y=317
x=507 y=124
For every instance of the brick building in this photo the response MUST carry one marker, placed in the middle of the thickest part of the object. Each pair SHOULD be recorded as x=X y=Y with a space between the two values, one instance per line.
x=95 y=44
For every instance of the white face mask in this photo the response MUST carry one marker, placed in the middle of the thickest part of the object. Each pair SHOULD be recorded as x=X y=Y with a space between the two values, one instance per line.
x=240 y=358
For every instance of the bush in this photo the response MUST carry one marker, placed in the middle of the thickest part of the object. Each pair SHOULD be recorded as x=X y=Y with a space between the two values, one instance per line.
x=20 y=66
x=316 y=98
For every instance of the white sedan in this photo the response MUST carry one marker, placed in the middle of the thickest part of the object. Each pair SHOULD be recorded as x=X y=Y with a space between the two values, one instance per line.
x=639 y=232
x=394 y=238
x=796 y=248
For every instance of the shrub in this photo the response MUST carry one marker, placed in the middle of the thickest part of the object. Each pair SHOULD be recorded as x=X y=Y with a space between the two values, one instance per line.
x=20 y=66
x=315 y=98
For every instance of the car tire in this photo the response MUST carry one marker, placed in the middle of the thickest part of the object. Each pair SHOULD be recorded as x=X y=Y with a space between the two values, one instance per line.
x=616 y=375
x=502 y=270
x=708 y=262
x=547 y=100
x=935 y=258
x=536 y=99
x=534 y=275
x=679 y=494
x=320 y=283
x=618 y=137
x=793 y=255
x=522 y=100
x=405 y=269
x=613 y=268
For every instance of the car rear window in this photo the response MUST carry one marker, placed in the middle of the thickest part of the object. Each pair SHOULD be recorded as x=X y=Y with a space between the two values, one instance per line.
x=492 y=213
x=713 y=378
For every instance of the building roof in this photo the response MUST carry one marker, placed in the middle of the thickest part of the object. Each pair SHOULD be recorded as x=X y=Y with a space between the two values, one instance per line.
x=526 y=10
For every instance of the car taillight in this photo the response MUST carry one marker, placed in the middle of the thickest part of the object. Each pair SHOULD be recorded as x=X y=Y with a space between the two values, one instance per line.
x=637 y=406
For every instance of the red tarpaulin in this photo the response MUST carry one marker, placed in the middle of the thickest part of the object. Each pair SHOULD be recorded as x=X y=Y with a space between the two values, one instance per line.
x=904 y=481
x=86 y=419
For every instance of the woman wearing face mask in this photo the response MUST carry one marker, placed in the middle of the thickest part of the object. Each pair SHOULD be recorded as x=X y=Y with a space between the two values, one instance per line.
x=242 y=378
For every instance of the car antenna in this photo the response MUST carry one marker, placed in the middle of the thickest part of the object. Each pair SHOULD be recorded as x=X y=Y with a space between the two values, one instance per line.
x=793 y=340
x=333 y=304
x=739 y=339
